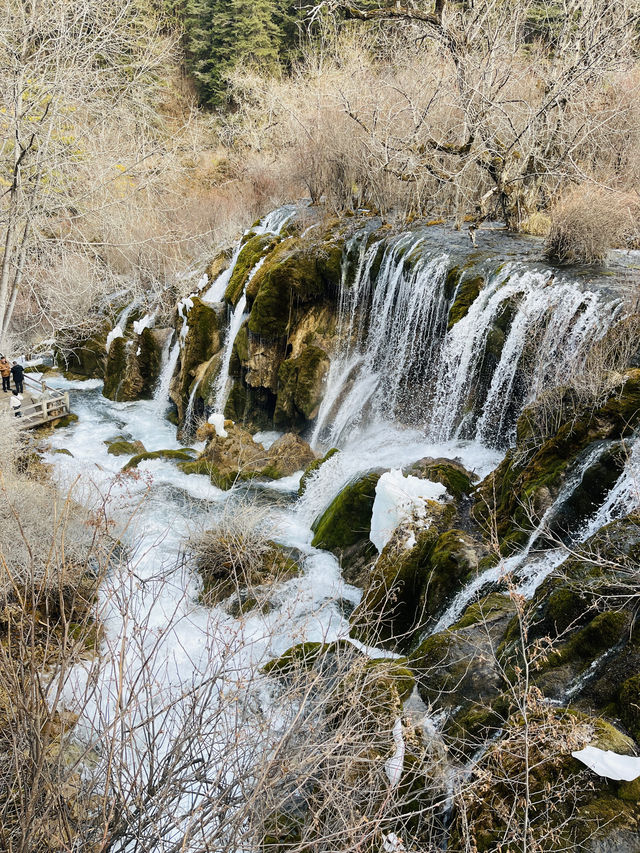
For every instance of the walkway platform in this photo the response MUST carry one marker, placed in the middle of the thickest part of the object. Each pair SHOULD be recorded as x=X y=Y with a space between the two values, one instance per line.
x=41 y=404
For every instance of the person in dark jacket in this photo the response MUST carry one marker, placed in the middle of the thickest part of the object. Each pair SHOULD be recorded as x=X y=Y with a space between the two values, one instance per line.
x=17 y=371
x=5 y=372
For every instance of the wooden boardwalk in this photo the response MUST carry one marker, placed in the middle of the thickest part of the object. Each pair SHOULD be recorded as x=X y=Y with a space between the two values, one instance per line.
x=41 y=404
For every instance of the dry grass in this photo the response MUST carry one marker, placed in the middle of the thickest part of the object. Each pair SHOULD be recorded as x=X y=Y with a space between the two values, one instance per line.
x=588 y=221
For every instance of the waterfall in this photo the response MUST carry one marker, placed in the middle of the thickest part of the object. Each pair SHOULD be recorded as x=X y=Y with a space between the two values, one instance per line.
x=170 y=355
x=531 y=567
x=238 y=317
x=400 y=359
x=273 y=223
x=188 y=415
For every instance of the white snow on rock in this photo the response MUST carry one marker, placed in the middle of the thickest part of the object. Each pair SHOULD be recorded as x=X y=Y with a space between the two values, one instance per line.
x=400 y=499
x=392 y=843
x=113 y=334
x=217 y=419
x=393 y=767
x=140 y=325
x=609 y=764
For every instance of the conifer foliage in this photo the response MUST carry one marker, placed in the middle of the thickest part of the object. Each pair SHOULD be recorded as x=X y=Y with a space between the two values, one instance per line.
x=220 y=34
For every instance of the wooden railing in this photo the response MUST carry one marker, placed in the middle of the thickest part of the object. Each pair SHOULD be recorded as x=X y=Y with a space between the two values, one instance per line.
x=50 y=405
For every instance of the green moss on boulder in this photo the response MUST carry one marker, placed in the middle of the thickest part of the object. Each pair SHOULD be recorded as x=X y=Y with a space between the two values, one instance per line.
x=185 y=455
x=347 y=520
x=255 y=248
x=121 y=447
x=295 y=274
x=466 y=294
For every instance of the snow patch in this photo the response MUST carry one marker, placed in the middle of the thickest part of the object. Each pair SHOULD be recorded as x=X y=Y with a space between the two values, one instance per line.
x=393 y=767
x=217 y=419
x=140 y=325
x=609 y=764
x=400 y=499
x=113 y=334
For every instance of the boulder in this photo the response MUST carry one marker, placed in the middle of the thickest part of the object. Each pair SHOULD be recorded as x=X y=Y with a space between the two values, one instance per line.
x=287 y=455
x=409 y=587
x=344 y=526
x=133 y=365
x=120 y=446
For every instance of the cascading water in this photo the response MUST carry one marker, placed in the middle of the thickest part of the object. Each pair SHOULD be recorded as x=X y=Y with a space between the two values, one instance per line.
x=400 y=358
x=238 y=317
x=273 y=223
x=403 y=385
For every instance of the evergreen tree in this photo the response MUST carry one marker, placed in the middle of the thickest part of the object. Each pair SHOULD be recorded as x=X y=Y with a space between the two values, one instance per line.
x=219 y=34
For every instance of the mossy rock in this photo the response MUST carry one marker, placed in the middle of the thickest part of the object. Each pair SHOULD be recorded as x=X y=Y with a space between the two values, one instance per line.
x=121 y=447
x=524 y=485
x=458 y=668
x=255 y=248
x=300 y=656
x=408 y=588
x=296 y=273
x=63 y=451
x=185 y=455
x=630 y=705
x=201 y=343
x=568 y=804
x=116 y=368
x=346 y=522
x=65 y=421
x=300 y=387
x=454 y=476
x=466 y=294
x=313 y=467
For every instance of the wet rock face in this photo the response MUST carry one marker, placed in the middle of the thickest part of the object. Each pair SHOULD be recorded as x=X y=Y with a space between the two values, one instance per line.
x=201 y=343
x=518 y=493
x=344 y=526
x=133 y=365
x=280 y=356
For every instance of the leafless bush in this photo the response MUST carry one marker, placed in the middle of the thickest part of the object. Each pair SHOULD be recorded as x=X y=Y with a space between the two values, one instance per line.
x=587 y=222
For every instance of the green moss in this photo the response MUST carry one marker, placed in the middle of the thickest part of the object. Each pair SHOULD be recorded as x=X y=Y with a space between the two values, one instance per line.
x=294 y=274
x=64 y=451
x=66 y=421
x=255 y=248
x=600 y=635
x=452 y=281
x=493 y=606
x=122 y=447
x=197 y=466
x=302 y=655
x=408 y=585
x=347 y=519
x=629 y=703
x=183 y=455
x=453 y=476
x=300 y=387
x=201 y=343
x=116 y=368
x=467 y=293
x=314 y=467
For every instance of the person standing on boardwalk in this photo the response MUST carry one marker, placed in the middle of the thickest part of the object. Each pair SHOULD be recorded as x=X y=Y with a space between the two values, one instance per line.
x=16 y=402
x=5 y=372
x=17 y=371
